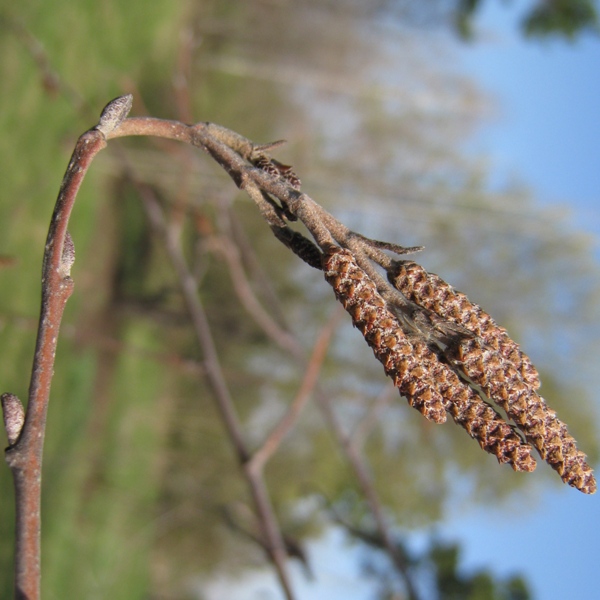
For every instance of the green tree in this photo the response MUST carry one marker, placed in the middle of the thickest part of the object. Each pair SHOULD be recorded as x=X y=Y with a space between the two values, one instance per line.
x=561 y=17
x=540 y=19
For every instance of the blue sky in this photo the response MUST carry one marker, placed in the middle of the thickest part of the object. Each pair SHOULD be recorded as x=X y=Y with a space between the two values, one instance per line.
x=547 y=135
x=549 y=126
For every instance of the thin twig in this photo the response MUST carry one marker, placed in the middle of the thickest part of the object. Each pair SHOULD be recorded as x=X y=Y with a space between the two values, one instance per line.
x=282 y=338
x=367 y=487
x=25 y=456
x=224 y=402
x=311 y=374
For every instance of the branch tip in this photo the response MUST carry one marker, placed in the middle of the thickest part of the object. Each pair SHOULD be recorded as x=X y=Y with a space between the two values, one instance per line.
x=114 y=113
x=14 y=417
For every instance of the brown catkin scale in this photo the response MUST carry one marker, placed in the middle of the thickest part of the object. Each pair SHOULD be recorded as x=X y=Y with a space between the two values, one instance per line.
x=495 y=436
x=429 y=385
x=495 y=362
x=542 y=428
x=381 y=330
x=431 y=292
x=277 y=169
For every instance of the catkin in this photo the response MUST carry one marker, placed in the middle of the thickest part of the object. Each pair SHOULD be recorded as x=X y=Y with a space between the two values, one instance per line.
x=494 y=362
x=432 y=292
x=429 y=385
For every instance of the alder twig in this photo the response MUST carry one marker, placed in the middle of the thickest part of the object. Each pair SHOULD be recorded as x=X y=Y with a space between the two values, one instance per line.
x=367 y=487
x=24 y=456
x=309 y=382
x=443 y=353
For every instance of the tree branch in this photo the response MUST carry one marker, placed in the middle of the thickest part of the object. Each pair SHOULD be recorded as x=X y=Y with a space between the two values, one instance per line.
x=266 y=515
x=24 y=457
x=444 y=354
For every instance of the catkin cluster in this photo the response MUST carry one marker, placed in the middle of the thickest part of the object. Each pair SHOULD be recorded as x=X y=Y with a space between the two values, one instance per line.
x=429 y=384
x=472 y=363
x=496 y=363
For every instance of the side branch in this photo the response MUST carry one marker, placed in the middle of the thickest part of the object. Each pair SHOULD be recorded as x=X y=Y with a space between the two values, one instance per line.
x=24 y=456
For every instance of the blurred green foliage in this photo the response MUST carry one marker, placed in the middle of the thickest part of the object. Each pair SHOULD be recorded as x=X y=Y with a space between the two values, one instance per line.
x=558 y=18
x=442 y=577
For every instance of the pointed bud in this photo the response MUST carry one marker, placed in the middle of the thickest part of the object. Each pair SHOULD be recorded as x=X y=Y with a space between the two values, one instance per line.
x=14 y=417
x=114 y=113
x=68 y=256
